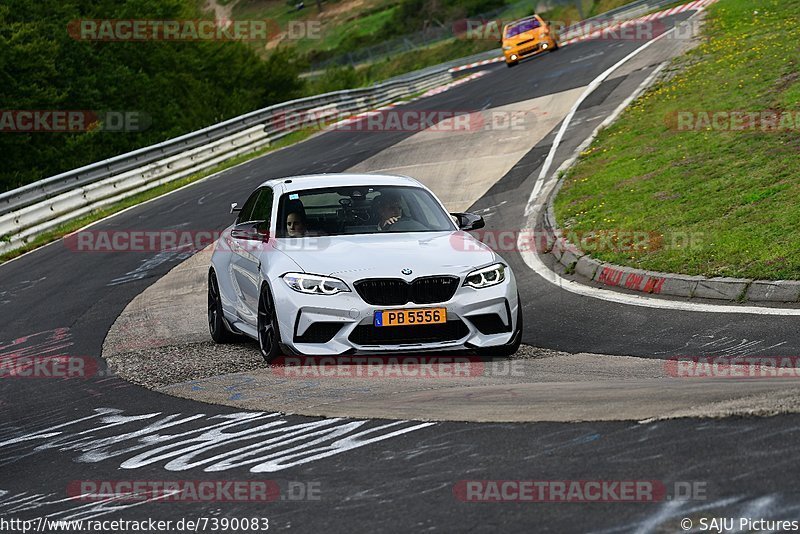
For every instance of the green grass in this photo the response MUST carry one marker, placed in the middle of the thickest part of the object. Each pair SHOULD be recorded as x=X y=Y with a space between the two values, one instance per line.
x=337 y=23
x=516 y=11
x=426 y=57
x=334 y=37
x=96 y=215
x=736 y=192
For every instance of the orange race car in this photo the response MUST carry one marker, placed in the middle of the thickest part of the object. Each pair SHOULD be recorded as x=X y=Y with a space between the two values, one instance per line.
x=527 y=37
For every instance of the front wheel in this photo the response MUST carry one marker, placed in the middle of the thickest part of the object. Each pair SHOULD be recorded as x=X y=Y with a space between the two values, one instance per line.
x=219 y=330
x=510 y=64
x=268 y=333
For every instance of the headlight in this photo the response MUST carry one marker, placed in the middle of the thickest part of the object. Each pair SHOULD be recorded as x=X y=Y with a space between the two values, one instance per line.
x=486 y=277
x=507 y=47
x=314 y=284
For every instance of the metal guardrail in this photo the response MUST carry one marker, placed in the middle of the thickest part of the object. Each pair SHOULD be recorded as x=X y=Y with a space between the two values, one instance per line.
x=43 y=205
x=35 y=208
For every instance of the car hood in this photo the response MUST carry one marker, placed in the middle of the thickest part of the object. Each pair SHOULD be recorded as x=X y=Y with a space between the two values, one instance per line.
x=354 y=257
x=535 y=33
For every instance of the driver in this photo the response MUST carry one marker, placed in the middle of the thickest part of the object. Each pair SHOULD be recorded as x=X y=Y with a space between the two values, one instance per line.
x=389 y=210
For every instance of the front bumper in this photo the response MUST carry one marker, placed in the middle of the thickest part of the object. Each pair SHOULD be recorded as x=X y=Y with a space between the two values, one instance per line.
x=528 y=49
x=342 y=324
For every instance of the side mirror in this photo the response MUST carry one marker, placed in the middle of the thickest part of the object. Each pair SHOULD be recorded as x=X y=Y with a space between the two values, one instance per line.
x=250 y=232
x=235 y=207
x=469 y=221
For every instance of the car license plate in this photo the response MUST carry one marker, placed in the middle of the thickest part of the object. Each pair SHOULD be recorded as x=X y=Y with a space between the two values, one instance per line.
x=410 y=317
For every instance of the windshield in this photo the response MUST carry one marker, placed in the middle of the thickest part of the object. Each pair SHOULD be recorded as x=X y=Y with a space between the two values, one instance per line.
x=521 y=27
x=360 y=210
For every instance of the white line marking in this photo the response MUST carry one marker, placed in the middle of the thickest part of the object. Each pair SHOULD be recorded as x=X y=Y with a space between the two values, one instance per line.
x=258 y=441
x=565 y=124
x=590 y=56
x=532 y=259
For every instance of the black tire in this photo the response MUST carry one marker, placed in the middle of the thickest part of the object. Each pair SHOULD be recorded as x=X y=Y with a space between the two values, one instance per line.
x=268 y=332
x=555 y=46
x=510 y=348
x=217 y=326
x=512 y=64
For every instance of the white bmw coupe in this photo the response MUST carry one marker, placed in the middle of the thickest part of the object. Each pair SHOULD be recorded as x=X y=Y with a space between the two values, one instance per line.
x=359 y=264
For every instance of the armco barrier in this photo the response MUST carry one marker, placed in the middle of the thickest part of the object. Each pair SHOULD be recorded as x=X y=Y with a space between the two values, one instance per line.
x=36 y=208
x=41 y=206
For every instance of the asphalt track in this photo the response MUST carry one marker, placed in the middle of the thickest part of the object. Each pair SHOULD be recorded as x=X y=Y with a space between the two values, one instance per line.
x=55 y=300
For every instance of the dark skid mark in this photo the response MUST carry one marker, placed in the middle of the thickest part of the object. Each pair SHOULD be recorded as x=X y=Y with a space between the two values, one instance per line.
x=601 y=93
x=519 y=172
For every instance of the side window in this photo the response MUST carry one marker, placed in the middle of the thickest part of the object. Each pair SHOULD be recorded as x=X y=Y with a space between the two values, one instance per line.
x=263 y=208
x=247 y=210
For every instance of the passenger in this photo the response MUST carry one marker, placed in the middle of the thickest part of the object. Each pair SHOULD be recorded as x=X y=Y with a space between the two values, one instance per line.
x=296 y=223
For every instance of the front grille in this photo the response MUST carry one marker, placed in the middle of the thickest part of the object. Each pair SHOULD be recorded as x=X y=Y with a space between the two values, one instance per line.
x=368 y=334
x=530 y=49
x=397 y=292
x=319 y=332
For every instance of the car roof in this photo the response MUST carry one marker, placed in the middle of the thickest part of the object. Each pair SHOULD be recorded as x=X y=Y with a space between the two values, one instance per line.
x=316 y=181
